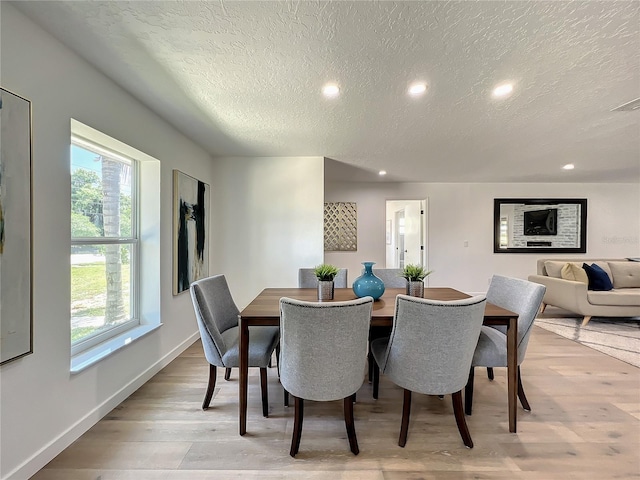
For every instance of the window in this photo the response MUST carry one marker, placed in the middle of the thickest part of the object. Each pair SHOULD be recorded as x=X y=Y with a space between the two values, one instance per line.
x=105 y=249
x=115 y=245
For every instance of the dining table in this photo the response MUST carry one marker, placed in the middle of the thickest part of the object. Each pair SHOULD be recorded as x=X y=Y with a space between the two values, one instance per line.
x=265 y=310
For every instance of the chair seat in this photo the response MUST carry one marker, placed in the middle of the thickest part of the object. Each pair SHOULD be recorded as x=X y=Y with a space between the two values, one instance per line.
x=492 y=348
x=262 y=341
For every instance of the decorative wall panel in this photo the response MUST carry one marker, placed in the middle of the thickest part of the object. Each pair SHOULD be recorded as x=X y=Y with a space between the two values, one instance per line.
x=340 y=227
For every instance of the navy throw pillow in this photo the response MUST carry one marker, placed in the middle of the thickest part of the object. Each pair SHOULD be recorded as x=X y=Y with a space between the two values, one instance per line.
x=598 y=278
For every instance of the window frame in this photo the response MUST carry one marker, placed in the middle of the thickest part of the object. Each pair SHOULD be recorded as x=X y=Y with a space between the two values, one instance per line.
x=134 y=320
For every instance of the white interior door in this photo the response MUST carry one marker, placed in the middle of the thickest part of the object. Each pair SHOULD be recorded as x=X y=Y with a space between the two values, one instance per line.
x=398 y=227
x=412 y=234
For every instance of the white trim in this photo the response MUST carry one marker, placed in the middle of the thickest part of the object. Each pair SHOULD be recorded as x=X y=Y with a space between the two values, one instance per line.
x=38 y=460
x=93 y=355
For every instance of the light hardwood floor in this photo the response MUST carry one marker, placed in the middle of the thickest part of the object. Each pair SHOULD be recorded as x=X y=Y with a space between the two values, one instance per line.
x=584 y=424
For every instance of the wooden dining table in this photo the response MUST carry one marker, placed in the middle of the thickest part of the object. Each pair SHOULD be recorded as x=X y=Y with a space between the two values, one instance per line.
x=265 y=310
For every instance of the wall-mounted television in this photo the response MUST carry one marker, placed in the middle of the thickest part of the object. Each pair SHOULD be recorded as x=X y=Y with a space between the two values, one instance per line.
x=541 y=222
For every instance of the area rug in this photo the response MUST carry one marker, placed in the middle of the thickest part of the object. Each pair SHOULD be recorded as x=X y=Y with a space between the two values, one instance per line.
x=617 y=337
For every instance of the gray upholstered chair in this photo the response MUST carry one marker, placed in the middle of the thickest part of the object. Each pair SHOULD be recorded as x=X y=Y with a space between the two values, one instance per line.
x=519 y=296
x=217 y=317
x=307 y=279
x=322 y=356
x=430 y=351
x=392 y=279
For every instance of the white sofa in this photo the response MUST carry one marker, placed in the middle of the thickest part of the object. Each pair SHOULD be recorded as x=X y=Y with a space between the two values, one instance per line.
x=571 y=295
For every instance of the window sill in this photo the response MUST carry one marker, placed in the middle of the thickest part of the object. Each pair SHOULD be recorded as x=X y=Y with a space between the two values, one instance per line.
x=93 y=355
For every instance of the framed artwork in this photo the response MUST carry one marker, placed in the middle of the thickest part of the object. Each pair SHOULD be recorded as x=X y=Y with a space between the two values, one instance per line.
x=16 y=321
x=190 y=231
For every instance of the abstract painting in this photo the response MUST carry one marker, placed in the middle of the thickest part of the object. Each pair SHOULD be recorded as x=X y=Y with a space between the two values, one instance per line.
x=16 y=323
x=190 y=231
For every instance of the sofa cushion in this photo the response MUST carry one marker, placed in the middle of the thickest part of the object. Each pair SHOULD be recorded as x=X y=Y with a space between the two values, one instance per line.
x=625 y=274
x=554 y=268
x=575 y=272
x=598 y=278
x=622 y=297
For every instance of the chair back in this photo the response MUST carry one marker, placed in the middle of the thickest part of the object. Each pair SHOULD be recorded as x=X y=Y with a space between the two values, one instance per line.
x=323 y=347
x=519 y=296
x=216 y=312
x=308 y=279
x=391 y=277
x=432 y=343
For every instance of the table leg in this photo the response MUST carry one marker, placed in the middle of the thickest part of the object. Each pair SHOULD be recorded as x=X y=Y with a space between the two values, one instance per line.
x=512 y=371
x=244 y=374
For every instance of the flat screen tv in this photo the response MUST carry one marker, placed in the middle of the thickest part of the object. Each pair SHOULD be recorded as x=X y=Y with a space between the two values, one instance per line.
x=541 y=222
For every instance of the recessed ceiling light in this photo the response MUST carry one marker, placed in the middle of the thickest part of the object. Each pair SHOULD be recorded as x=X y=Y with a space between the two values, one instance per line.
x=503 y=90
x=417 y=89
x=382 y=173
x=569 y=166
x=331 y=90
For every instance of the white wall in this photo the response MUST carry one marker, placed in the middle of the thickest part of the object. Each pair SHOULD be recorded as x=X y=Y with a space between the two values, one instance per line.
x=43 y=407
x=267 y=221
x=464 y=212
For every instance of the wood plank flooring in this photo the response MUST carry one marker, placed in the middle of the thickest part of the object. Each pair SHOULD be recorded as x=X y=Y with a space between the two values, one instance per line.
x=584 y=424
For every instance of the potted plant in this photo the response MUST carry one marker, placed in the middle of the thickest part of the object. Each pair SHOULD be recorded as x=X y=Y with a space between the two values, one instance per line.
x=325 y=274
x=415 y=275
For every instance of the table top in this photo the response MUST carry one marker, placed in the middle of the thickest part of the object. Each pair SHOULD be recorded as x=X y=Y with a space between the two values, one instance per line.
x=266 y=306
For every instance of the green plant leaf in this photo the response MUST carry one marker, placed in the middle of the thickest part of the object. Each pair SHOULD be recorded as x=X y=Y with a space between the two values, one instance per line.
x=325 y=272
x=414 y=272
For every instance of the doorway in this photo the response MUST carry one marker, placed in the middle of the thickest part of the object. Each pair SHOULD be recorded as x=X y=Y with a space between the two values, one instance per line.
x=406 y=236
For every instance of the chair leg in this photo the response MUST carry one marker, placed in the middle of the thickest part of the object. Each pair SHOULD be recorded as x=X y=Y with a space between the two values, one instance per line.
x=286 y=398
x=278 y=358
x=371 y=363
x=349 y=423
x=210 y=386
x=297 y=425
x=265 y=393
x=376 y=379
x=490 y=373
x=227 y=374
x=460 y=420
x=468 y=393
x=521 y=395
x=406 y=412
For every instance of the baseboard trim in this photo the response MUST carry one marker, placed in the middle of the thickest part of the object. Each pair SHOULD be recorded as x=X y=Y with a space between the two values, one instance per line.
x=47 y=453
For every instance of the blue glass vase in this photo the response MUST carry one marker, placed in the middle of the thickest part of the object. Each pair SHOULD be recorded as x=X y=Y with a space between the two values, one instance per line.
x=367 y=284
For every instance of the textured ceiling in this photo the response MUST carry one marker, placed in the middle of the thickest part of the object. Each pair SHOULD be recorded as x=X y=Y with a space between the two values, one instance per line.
x=243 y=78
